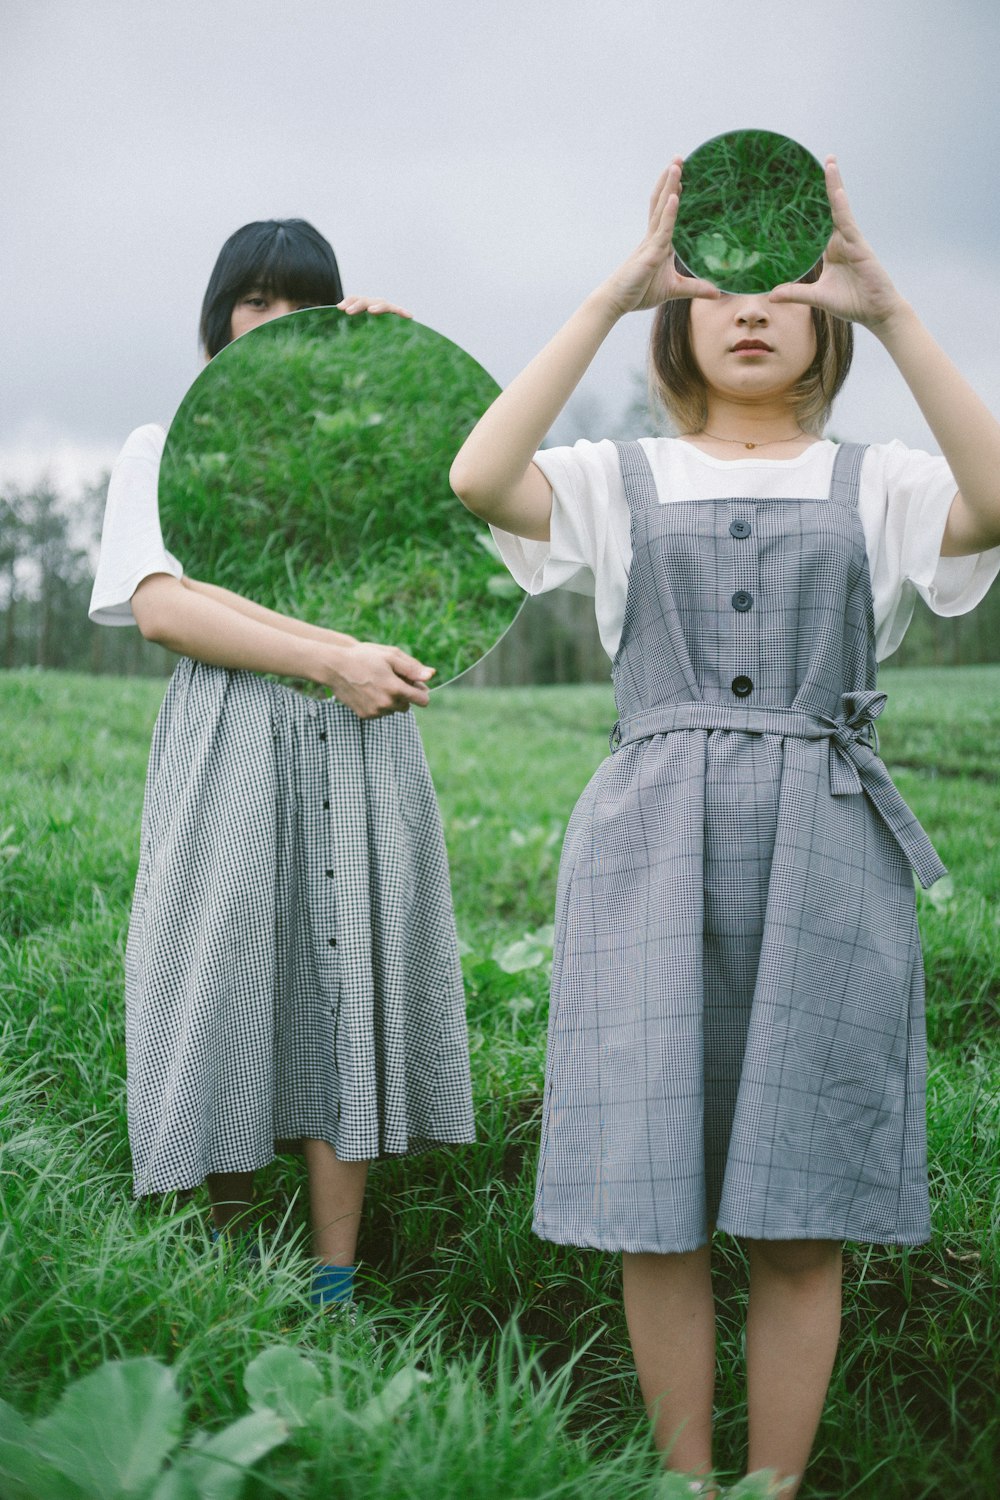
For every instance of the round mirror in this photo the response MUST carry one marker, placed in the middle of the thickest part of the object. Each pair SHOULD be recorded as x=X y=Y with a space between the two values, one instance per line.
x=307 y=469
x=753 y=212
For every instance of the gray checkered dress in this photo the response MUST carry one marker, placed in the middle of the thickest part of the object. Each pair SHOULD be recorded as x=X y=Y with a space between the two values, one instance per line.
x=737 y=1021
x=291 y=966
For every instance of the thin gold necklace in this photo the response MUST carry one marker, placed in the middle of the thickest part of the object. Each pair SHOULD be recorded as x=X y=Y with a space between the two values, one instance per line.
x=764 y=444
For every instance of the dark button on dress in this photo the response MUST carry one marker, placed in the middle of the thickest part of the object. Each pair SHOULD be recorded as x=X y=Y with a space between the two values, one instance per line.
x=736 y=1029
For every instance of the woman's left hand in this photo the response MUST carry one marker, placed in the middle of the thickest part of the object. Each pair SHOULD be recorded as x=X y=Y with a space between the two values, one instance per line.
x=372 y=305
x=852 y=283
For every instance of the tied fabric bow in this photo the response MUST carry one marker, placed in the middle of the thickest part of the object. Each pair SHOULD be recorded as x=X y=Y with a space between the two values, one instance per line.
x=855 y=767
x=853 y=740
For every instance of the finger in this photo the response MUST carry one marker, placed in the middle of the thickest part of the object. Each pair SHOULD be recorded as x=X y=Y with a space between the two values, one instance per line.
x=693 y=286
x=798 y=291
x=408 y=666
x=663 y=212
x=840 y=208
x=672 y=166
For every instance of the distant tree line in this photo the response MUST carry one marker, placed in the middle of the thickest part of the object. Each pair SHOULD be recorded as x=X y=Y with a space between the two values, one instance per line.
x=46 y=578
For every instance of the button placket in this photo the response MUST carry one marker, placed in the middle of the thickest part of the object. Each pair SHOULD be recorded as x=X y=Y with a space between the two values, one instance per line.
x=329 y=887
x=743 y=528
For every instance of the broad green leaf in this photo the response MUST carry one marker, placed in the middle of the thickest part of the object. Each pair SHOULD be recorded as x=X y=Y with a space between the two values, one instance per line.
x=529 y=952
x=176 y=1484
x=282 y=1381
x=111 y=1431
x=217 y=1465
x=390 y=1401
x=524 y=954
x=24 y=1474
x=941 y=895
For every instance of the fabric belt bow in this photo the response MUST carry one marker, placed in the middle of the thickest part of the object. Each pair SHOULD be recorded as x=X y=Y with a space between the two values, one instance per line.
x=855 y=765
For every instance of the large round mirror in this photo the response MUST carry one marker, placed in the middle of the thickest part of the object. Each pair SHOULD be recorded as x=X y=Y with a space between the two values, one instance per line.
x=307 y=469
x=753 y=212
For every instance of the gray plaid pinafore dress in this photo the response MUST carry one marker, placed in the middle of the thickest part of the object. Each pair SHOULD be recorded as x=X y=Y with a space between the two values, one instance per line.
x=291 y=966
x=736 y=1030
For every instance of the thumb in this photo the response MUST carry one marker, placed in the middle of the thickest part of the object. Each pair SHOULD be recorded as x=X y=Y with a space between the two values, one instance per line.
x=408 y=666
x=795 y=291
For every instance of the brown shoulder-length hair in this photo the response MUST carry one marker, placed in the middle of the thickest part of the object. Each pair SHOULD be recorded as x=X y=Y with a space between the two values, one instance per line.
x=676 y=382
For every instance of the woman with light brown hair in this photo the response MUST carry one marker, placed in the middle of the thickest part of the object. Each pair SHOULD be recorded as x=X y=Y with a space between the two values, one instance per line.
x=736 y=1034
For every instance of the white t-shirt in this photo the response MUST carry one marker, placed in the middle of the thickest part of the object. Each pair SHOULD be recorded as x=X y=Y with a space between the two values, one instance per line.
x=904 y=500
x=131 y=540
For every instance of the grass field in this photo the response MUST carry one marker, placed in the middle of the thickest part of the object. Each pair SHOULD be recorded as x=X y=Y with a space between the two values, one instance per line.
x=449 y=1261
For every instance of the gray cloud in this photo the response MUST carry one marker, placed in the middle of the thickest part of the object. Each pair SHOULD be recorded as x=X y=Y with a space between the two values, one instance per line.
x=484 y=164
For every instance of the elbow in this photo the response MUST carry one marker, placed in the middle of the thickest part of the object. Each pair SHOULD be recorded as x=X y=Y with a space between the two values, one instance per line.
x=463 y=484
x=145 y=618
x=148 y=603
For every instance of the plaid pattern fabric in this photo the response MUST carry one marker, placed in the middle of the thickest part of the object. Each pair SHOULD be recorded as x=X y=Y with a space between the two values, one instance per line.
x=291 y=965
x=736 y=1031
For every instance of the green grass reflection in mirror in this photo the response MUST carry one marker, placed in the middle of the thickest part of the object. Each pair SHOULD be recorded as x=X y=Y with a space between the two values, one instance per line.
x=307 y=469
x=753 y=212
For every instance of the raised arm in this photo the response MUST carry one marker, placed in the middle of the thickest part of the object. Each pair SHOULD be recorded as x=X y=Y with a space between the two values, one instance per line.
x=493 y=473
x=371 y=679
x=854 y=285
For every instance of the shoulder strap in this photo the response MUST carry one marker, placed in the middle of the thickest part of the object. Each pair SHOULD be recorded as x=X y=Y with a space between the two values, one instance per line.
x=637 y=476
x=845 y=482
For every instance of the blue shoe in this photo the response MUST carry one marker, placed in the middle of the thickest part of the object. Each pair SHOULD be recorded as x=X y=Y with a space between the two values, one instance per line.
x=244 y=1243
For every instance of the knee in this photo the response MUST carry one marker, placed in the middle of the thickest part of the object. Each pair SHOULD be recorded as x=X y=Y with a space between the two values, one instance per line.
x=795 y=1257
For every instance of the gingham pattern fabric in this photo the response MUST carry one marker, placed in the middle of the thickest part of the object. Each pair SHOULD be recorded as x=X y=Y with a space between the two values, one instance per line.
x=736 y=1029
x=291 y=966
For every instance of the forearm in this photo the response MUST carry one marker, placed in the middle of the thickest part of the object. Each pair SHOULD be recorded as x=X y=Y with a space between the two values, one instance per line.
x=191 y=623
x=964 y=427
x=267 y=616
x=495 y=457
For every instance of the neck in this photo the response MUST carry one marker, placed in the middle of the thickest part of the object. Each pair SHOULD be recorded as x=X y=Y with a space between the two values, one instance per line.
x=745 y=421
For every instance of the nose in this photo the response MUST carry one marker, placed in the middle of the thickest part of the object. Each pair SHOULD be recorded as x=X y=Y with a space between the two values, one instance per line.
x=751 y=311
x=281 y=306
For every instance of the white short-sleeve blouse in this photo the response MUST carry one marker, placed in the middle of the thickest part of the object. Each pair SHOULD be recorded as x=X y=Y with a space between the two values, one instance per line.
x=131 y=540
x=904 y=501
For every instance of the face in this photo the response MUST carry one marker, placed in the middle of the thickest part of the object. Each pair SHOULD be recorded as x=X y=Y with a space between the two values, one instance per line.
x=256 y=306
x=748 y=348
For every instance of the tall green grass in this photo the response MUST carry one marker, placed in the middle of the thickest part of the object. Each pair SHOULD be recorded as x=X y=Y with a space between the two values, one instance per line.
x=449 y=1263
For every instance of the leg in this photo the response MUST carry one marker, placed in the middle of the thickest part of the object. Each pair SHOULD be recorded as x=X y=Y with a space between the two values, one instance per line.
x=336 y=1193
x=793 y=1324
x=671 y=1324
x=231 y=1196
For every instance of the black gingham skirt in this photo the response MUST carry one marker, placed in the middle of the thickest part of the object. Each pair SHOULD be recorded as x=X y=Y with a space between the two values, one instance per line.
x=291 y=966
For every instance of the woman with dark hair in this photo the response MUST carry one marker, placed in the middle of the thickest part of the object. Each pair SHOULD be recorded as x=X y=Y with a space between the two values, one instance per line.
x=292 y=977
x=736 y=1035
x=284 y=258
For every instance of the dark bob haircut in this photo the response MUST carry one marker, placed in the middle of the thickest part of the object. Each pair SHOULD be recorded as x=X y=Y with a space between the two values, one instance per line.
x=282 y=257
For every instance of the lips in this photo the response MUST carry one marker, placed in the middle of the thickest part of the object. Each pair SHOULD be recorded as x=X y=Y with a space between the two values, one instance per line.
x=757 y=345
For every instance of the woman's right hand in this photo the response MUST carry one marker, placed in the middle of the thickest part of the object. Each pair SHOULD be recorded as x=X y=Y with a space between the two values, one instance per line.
x=372 y=679
x=649 y=276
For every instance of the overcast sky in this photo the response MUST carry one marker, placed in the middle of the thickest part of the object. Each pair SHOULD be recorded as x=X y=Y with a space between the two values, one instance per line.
x=483 y=163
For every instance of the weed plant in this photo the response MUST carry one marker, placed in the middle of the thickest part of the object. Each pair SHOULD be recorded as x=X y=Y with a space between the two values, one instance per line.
x=307 y=468
x=753 y=212
x=530 y=1389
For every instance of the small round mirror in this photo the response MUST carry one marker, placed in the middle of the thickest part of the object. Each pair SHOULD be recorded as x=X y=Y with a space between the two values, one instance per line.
x=753 y=212
x=307 y=469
